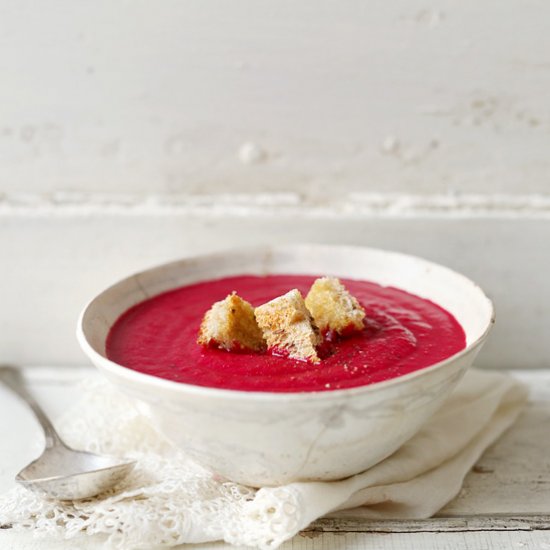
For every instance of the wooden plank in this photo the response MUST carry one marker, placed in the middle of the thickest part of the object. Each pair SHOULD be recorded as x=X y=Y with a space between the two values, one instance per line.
x=495 y=540
x=340 y=98
x=52 y=247
x=500 y=540
x=506 y=522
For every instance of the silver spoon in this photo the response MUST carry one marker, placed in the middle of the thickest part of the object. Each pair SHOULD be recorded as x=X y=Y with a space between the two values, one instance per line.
x=61 y=472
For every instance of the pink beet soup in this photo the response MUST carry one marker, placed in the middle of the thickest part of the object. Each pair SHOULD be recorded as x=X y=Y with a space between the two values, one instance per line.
x=403 y=333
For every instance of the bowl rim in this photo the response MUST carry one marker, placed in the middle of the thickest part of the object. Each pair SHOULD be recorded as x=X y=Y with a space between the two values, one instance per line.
x=121 y=371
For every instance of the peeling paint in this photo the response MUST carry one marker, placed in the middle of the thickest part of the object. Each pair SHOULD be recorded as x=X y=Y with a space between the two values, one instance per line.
x=252 y=153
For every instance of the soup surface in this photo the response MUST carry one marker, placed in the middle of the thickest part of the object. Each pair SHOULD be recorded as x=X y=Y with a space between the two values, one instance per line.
x=403 y=333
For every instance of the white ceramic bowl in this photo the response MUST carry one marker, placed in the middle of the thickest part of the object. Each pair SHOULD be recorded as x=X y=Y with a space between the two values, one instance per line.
x=262 y=438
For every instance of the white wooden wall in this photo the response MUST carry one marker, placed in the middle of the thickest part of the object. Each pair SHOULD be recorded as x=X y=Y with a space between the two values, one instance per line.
x=133 y=132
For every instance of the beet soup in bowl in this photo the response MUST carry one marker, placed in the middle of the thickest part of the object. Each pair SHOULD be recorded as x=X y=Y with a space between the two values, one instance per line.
x=273 y=432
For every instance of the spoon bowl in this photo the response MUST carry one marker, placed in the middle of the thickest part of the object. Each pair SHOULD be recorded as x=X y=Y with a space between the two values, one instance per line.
x=67 y=474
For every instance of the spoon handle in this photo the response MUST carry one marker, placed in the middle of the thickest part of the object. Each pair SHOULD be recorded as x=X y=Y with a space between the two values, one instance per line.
x=12 y=378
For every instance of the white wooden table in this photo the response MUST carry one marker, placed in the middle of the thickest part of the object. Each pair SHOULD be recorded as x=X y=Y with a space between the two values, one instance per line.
x=504 y=504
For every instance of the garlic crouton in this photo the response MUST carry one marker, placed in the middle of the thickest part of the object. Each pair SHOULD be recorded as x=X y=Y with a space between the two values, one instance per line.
x=230 y=325
x=288 y=328
x=333 y=307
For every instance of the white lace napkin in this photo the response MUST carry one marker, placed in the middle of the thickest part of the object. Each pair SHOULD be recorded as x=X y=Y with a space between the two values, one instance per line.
x=170 y=500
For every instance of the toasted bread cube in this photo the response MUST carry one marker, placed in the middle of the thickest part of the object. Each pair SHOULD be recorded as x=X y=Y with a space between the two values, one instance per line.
x=230 y=325
x=333 y=307
x=288 y=327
